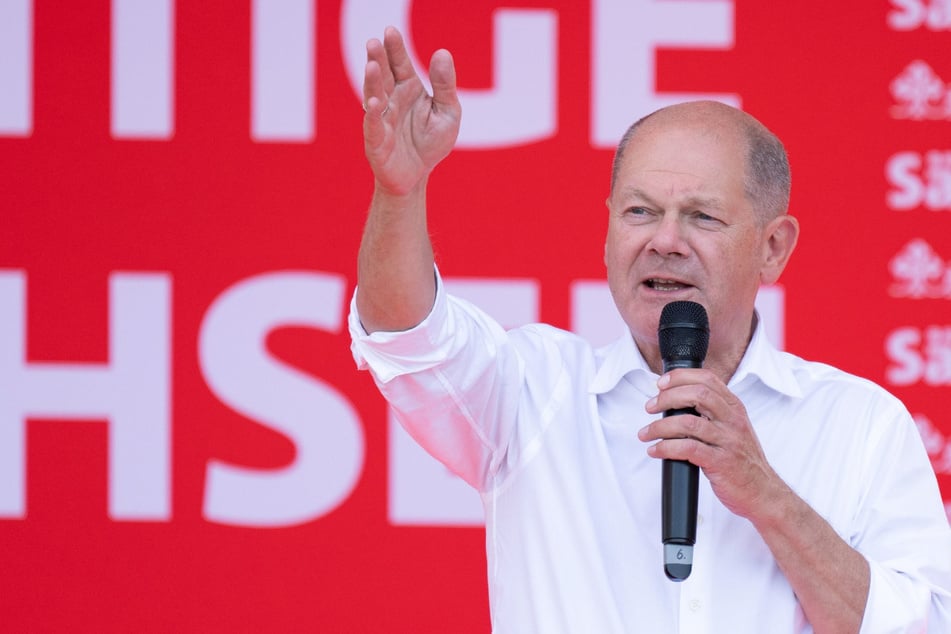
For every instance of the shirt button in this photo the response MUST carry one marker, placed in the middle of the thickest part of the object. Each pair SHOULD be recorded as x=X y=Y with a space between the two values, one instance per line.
x=695 y=605
x=700 y=519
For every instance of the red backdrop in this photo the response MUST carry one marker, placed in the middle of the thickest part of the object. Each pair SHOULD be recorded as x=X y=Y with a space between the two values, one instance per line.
x=184 y=441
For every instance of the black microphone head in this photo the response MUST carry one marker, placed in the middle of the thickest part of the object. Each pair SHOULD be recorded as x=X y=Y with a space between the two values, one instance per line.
x=683 y=335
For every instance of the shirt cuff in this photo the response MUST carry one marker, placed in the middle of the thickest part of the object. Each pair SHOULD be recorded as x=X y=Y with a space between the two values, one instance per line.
x=391 y=354
x=893 y=605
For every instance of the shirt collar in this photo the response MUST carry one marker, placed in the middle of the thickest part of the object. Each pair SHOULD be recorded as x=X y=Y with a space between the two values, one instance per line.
x=760 y=361
x=620 y=359
x=764 y=362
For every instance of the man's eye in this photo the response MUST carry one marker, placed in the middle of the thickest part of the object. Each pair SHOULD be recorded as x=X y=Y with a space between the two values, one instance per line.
x=638 y=211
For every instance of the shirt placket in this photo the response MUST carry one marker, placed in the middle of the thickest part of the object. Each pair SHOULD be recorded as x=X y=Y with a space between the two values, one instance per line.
x=695 y=592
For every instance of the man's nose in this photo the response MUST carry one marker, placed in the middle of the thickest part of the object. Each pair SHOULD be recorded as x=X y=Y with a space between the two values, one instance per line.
x=669 y=236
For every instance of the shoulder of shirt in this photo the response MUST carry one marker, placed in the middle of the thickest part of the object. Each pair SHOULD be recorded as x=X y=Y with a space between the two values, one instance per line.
x=815 y=376
x=536 y=333
x=538 y=340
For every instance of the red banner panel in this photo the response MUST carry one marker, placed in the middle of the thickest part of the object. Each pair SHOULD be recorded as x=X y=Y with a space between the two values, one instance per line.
x=185 y=442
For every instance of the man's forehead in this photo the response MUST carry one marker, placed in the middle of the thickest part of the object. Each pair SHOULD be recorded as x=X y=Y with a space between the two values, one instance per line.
x=689 y=150
x=719 y=133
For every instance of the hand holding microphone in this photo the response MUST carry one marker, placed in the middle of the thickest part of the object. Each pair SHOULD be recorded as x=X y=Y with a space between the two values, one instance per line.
x=723 y=443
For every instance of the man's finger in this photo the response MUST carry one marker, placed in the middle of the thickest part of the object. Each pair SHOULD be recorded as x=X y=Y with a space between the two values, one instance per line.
x=442 y=76
x=680 y=426
x=372 y=84
x=373 y=130
x=690 y=449
x=400 y=63
x=377 y=53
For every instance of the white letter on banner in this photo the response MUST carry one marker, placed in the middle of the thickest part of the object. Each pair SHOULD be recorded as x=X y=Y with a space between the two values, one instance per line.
x=594 y=314
x=902 y=172
x=131 y=390
x=907 y=366
x=16 y=67
x=321 y=423
x=142 y=69
x=521 y=107
x=422 y=491
x=625 y=35
x=282 y=70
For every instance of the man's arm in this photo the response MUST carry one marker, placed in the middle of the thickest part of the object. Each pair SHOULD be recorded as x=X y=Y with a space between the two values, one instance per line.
x=830 y=578
x=406 y=133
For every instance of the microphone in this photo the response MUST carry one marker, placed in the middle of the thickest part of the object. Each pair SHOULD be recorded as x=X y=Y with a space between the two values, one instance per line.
x=683 y=335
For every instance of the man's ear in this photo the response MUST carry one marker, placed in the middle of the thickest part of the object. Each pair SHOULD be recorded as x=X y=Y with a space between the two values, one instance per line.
x=780 y=237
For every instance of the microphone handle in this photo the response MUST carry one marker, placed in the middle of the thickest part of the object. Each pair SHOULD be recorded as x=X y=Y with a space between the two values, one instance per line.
x=680 y=485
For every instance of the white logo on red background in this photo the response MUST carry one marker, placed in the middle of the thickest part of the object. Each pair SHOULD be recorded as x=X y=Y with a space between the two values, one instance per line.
x=919 y=272
x=920 y=94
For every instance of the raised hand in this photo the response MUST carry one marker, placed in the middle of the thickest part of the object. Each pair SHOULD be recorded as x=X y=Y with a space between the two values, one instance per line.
x=406 y=131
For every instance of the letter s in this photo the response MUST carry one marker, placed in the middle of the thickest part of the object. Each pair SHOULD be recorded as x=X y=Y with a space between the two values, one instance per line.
x=321 y=423
x=901 y=348
x=901 y=172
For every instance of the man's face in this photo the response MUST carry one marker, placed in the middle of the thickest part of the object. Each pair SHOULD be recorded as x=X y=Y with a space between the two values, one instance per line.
x=681 y=228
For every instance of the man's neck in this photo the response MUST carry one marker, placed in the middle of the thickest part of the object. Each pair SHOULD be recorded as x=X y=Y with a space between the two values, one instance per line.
x=722 y=362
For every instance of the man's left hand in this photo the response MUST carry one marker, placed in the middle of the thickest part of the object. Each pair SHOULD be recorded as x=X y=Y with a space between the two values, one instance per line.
x=721 y=440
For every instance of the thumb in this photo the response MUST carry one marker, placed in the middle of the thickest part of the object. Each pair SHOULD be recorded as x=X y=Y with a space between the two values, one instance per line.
x=442 y=76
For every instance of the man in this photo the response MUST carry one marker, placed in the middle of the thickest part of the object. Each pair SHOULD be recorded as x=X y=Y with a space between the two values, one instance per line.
x=819 y=510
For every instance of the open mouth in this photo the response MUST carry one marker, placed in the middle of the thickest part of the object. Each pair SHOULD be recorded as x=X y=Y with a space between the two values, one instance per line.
x=660 y=284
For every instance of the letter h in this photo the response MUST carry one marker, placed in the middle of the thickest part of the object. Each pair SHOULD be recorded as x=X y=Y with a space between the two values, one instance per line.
x=131 y=390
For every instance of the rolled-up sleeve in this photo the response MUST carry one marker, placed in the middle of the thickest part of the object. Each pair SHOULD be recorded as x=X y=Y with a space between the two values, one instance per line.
x=390 y=354
x=453 y=381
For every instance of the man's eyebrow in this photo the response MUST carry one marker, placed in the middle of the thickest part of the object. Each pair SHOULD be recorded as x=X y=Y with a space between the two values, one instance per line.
x=704 y=202
x=635 y=193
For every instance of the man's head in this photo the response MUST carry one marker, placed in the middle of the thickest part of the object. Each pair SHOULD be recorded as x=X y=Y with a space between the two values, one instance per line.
x=697 y=212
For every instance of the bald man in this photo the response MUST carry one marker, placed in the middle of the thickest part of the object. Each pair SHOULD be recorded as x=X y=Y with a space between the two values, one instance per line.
x=819 y=510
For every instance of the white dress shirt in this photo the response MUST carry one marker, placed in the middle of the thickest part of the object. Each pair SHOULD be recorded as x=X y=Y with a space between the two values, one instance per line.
x=544 y=426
